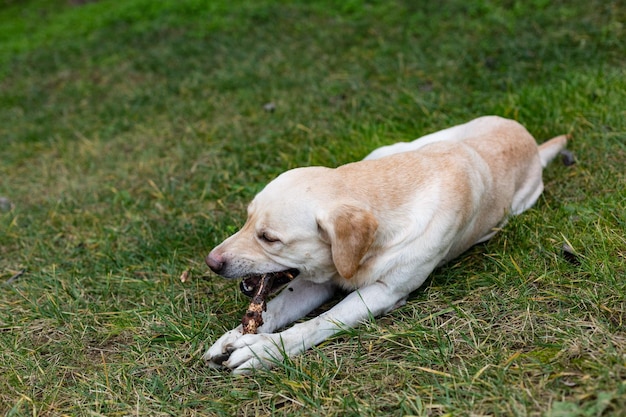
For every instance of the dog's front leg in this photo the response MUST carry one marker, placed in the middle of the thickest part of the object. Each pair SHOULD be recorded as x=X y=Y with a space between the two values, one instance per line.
x=296 y=300
x=262 y=350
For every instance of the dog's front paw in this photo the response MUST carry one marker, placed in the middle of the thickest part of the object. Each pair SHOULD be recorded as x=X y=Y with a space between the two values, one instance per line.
x=221 y=350
x=254 y=351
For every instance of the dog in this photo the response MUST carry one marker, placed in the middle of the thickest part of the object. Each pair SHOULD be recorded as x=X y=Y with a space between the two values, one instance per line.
x=377 y=228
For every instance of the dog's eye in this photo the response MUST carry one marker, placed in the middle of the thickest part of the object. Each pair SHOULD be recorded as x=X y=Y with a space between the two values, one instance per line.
x=267 y=238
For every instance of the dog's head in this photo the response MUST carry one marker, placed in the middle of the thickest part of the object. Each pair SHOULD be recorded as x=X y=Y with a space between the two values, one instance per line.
x=303 y=221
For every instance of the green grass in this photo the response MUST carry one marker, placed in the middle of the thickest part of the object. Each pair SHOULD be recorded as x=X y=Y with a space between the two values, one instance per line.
x=133 y=134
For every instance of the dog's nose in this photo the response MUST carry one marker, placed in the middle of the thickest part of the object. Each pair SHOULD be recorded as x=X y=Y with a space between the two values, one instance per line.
x=215 y=262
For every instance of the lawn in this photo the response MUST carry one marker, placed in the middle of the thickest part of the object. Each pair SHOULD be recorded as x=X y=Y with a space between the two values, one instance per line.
x=134 y=133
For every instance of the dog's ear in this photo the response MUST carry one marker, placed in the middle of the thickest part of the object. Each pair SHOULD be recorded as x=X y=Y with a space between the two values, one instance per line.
x=350 y=231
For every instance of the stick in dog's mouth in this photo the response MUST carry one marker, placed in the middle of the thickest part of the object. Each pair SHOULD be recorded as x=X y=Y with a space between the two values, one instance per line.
x=259 y=287
x=250 y=283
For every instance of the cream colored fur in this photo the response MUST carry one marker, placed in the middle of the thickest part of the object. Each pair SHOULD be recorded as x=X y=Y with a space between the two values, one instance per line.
x=377 y=227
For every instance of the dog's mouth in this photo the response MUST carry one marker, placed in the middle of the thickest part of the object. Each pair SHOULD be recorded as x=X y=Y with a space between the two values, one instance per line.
x=250 y=283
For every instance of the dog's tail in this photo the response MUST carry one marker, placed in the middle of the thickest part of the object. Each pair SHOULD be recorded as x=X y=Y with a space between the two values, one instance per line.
x=551 y=148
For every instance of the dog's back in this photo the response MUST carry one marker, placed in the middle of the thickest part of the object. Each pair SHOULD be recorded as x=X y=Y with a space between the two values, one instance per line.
x=493 y=166
x=505 y=143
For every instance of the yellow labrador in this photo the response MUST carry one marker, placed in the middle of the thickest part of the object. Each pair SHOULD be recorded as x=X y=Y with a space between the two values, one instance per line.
x=377 y=227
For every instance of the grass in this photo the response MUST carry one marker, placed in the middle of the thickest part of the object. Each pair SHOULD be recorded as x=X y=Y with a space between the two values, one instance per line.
x=133 y=134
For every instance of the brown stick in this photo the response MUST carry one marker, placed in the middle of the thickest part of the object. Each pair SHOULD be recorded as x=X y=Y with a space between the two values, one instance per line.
x=253 y=319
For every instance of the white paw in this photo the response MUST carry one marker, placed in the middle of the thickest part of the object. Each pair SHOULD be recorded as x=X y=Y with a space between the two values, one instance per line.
x=243 y=353
x=222 y=348
x=255 y=351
